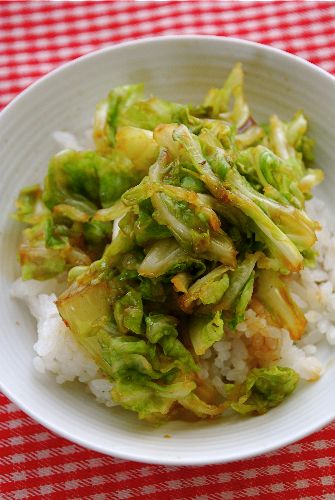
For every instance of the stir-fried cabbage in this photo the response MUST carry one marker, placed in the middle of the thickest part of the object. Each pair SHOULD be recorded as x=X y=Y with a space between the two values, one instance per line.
x=180 y=220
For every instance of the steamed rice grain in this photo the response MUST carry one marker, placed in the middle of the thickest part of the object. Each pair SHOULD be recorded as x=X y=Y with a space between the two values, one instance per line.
x=56 y=348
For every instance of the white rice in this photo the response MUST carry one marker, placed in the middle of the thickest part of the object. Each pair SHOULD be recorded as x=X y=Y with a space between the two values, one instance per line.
x=56 y=348
x=254 y=343
x=66 y=140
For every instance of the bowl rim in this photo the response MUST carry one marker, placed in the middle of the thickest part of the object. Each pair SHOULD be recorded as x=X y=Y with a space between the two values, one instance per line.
x=162 y=39
x=136 y=455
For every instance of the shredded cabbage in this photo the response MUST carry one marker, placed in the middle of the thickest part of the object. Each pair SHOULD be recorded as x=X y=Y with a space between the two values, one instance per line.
x=181 y=219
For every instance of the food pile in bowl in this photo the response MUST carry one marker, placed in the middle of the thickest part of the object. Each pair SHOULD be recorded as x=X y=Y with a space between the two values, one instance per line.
x=180 y=267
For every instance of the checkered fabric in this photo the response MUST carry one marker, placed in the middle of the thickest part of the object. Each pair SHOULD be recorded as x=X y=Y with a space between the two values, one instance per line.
x=35 y=37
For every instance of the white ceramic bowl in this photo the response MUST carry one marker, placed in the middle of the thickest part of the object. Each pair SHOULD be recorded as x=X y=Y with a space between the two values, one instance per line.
x=180 y=68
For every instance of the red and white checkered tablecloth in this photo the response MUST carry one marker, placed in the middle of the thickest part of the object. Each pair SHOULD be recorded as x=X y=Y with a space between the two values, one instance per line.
x=35 y=37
